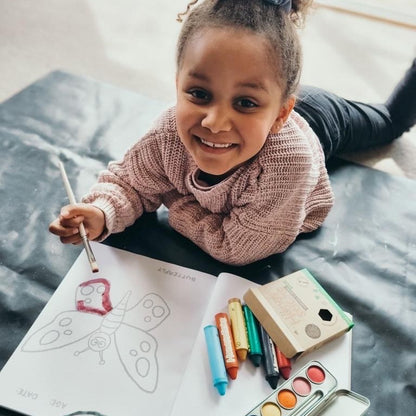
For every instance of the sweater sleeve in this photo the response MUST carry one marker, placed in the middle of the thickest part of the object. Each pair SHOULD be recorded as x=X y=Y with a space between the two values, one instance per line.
x=225 y=237
x=266 y=225
x=134 y=185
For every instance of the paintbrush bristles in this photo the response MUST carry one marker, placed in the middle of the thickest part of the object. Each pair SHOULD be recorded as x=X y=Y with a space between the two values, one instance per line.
x=94 y=267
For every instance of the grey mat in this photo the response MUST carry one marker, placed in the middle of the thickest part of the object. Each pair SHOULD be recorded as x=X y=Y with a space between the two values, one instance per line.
x=364 y=255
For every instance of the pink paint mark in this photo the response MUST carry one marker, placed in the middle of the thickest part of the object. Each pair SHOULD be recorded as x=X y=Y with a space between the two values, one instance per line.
x=84 y=308
x=105 y=303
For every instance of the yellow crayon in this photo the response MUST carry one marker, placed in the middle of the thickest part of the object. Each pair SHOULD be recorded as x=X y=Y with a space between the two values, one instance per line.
x=238 y=326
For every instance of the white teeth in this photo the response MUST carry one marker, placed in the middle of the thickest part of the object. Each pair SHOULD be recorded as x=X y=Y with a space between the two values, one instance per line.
x=220 y=145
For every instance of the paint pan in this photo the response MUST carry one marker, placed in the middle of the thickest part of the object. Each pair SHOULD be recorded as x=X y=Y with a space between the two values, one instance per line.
x=312 y=391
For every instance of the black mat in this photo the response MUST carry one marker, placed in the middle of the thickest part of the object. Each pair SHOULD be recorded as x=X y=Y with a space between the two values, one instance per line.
x=364 y=255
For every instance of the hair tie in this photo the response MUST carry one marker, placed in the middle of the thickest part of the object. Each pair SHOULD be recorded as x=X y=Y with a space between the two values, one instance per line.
x=286 y=5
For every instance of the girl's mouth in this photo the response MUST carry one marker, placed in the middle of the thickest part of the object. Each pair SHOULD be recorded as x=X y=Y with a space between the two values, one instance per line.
x=213 y=145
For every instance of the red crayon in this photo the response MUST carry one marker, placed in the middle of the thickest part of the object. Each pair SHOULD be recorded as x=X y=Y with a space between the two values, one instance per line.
x=284 y=364
x=227 y=344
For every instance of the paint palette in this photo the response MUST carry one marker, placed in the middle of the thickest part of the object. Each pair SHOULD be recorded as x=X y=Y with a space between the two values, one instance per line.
x=312 y=391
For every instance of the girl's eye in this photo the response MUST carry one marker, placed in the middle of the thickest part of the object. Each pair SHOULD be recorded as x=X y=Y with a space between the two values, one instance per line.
x=246 y=103
x=199 y=95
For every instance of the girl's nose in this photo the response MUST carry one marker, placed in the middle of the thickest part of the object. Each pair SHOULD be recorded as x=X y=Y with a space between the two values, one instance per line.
x=216 y=119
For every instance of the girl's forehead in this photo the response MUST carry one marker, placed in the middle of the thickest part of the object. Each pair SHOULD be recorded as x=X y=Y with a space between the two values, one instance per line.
x=220 y=43
x=228 y=35
x=237 y=52
x=230 y=57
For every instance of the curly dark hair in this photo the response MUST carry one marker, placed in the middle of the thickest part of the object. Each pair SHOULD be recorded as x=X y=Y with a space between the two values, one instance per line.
x=259 y=17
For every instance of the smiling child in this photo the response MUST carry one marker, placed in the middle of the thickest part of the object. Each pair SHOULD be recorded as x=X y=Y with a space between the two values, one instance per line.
x=241 y=172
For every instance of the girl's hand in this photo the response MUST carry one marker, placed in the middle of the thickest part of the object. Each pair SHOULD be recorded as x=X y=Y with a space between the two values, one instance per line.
x=66 y=226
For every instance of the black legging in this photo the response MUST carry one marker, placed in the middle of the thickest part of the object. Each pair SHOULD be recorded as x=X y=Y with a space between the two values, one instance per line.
x=344 y=126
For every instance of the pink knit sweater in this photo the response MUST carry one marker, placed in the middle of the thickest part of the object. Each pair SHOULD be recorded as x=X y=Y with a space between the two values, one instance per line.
x=257 y=211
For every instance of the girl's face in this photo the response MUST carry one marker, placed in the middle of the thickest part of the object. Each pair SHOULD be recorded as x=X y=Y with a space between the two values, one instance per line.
x=228 y=99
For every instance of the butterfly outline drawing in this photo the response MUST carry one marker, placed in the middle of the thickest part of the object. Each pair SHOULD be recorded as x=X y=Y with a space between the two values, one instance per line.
x=96 y=320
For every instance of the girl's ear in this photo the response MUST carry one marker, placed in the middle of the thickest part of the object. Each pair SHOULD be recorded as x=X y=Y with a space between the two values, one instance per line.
x=283 y=114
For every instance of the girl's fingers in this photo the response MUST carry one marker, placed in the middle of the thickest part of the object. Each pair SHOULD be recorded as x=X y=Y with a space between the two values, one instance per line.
x=73 y=239
x=71 y=222
x=66 y=226
x=58 y=229
x=77 y=210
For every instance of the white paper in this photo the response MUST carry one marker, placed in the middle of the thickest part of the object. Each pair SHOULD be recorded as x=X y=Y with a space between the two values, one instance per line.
x=56 y=370
x=57 y=382
x=198 y=396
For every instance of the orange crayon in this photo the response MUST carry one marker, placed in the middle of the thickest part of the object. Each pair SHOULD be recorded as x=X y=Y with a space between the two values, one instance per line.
x=227 y=344
x=238 y=325
x=284 y=364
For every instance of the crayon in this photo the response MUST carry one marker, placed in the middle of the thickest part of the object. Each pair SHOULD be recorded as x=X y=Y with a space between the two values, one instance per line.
x=255 y=353
x=216 y=360
x=238 y=326
x=227 y=344
x=271 y=368
x=284 y=364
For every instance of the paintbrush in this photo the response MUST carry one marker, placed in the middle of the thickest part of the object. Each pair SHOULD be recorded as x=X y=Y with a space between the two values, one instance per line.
x=71 y=197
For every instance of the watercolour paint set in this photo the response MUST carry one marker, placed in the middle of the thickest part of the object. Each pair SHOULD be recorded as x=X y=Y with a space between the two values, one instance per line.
x=288 y=317
x=312 y=391
x=130 y=339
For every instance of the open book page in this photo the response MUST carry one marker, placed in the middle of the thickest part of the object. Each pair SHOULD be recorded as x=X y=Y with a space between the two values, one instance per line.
x=114 y=342
x=197 y=395
x=129 y=340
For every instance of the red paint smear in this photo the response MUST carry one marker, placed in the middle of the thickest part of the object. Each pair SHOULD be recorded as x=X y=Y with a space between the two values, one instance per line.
x=105 y=298
x=83 y=308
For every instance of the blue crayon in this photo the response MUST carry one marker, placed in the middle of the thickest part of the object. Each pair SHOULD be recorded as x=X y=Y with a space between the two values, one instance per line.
x=216 y=359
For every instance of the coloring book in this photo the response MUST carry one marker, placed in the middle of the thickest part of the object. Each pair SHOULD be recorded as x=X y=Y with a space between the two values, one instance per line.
x=129 y=340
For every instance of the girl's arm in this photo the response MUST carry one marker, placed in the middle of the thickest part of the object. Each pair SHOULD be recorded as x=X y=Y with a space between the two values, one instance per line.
x=130 y=187
x=249 y=233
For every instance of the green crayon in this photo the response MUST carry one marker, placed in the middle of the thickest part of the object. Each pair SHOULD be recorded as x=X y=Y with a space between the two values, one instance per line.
x=255 y=351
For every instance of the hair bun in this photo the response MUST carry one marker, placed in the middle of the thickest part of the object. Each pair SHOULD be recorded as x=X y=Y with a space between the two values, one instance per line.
x=286 y=5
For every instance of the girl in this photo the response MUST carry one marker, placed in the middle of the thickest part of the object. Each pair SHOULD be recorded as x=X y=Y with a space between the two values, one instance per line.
x=241 y=172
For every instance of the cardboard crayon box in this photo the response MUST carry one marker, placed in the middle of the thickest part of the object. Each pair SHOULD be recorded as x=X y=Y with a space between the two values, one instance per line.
x=298 y=313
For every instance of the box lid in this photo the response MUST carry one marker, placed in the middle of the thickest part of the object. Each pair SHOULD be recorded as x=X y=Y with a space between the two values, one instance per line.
x=297 y=312
x=342 y=403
